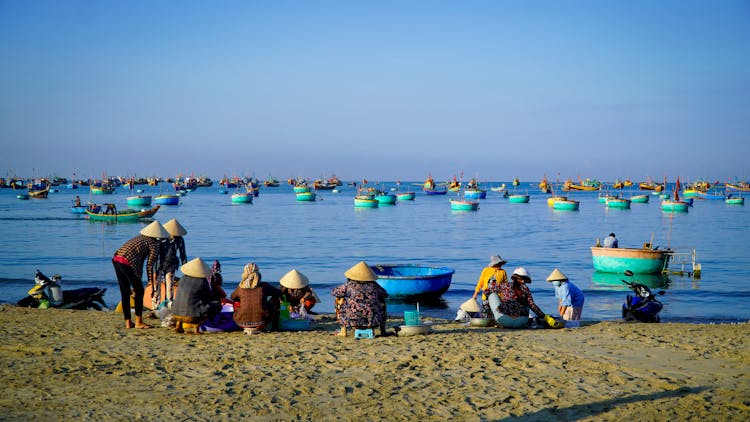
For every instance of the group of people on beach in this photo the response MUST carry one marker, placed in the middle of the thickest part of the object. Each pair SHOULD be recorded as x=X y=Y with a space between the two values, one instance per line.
x=197 y=300
x=508 y=303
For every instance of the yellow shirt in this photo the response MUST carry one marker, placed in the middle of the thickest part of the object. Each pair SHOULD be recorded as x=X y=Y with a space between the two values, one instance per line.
x=484 y=279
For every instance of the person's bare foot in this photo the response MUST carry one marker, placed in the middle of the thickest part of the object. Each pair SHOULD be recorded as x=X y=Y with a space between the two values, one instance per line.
x=142 y=326
x=129 y=324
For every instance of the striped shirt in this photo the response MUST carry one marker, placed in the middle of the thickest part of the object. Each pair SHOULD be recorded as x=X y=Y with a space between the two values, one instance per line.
x=139 y=249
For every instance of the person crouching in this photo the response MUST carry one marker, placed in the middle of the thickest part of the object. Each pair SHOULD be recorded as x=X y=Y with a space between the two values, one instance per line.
x=193 y=301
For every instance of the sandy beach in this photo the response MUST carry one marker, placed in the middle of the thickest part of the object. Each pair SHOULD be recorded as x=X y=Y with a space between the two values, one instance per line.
x=66 y=365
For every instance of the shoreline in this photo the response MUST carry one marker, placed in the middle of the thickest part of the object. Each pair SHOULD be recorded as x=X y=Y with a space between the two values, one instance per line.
x=67 y=364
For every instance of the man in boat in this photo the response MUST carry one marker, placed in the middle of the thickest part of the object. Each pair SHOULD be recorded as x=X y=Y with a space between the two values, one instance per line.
x=111 y=209
x=610 y=241
x=77 y=202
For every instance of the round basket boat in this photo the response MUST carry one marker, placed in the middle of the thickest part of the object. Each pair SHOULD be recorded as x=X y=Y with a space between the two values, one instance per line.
x=411 y=280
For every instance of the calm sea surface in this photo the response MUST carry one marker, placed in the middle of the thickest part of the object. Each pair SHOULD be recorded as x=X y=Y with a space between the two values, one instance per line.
x=323 y=239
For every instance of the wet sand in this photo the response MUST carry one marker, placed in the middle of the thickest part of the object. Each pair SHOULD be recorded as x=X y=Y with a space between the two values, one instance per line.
x=67 y=365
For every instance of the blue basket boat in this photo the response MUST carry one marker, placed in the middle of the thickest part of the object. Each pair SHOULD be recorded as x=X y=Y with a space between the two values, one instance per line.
x=411 y=280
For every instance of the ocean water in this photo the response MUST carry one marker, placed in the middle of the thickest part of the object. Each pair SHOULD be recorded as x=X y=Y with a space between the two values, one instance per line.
x=322 y=239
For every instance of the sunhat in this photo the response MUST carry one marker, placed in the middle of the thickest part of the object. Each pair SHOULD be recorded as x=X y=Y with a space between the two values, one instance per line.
x=195 y=268
x=556 y=275
x=361 y=272
x=155 y=230
x=470 y=305
x=496 y=260
x=174 y=228
x=294 y=280
x=521 y=272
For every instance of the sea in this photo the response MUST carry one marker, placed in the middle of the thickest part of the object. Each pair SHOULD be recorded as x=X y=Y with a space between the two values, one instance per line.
x=324 y=238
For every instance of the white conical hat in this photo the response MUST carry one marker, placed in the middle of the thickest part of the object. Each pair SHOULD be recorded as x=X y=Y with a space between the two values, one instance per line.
x=156 y=230
x=557 y=275
x=361 y=272
x=470 y=305
x=175 y=228
x=294 y=280
x=196 y=268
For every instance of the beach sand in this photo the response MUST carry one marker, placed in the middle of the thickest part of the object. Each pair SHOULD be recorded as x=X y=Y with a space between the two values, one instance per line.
x=65 y=365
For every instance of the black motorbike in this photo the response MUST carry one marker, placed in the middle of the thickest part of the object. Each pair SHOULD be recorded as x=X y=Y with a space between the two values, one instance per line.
x=643 y=306
x=47 y=293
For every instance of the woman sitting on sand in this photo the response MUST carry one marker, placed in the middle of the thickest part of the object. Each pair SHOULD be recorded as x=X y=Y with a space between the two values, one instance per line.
x=296 y=287
x=259 y=302
x=193 y=302
x=363 y=303
x=511 y=304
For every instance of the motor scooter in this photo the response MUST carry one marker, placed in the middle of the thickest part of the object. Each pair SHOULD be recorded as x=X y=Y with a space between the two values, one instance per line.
x=47 y=293
x=643 y=306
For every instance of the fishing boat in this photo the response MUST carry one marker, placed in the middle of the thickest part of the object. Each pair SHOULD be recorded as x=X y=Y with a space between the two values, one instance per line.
x=464 y=205
x=40 y=189
x=365 y=201
x=739 y=186
x=301 y=186
x=639 y=199
x=552 y=199
x=566 y=205
x=638 y=260
x=675 y=205
x=619 y=203
x=271 y=182
x=583 y=185
x=429 y=187
x=649 y=185
x=734 y=200
x=78 y=209
x=122 y=216
x=168 y=199
x=101 y=187
x=308 y=196
x=454 y=185
x=384 y=198
x=500 y=188
x=320 y=184
x=405 y=196
x=475 y=193
x=545 y=186
x=23 y=196
x=712 y=195
x=242 y=198
x=139 y=201
x=518 y=198
x=412 y=280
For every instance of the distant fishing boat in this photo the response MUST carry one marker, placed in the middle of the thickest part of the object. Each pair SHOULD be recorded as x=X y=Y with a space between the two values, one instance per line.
x=123 y=216
x=675 y=205
x=365 y=201
x=566 y=205
x=168 y=199
x=429 y=187
x=637 y=260
x=139 y=201
x=464 y=205
x=552 y=199
x=406 y=196
x=619 y=203
x=385 y=198
x=518 y=198
x=242 y=198
x=736 y=200
x=639 y=199
x=308 y=196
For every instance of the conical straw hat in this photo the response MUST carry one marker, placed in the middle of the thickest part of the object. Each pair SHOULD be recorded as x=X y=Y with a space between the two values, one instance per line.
x=361 y=272
x=294 y=280
x=195 y=268
x=556 y=275
x=470 y=305
x=175 y=228
x=156 y=230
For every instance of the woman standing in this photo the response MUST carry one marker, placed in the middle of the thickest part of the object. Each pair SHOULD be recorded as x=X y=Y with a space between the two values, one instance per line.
x=363 y=300
x=128 y=263
x=169 y=261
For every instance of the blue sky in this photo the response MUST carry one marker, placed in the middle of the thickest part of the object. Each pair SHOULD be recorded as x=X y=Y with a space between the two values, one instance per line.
x=382 y=90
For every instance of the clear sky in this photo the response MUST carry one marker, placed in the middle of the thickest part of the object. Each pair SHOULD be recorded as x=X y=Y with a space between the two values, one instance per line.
x=382 y=90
